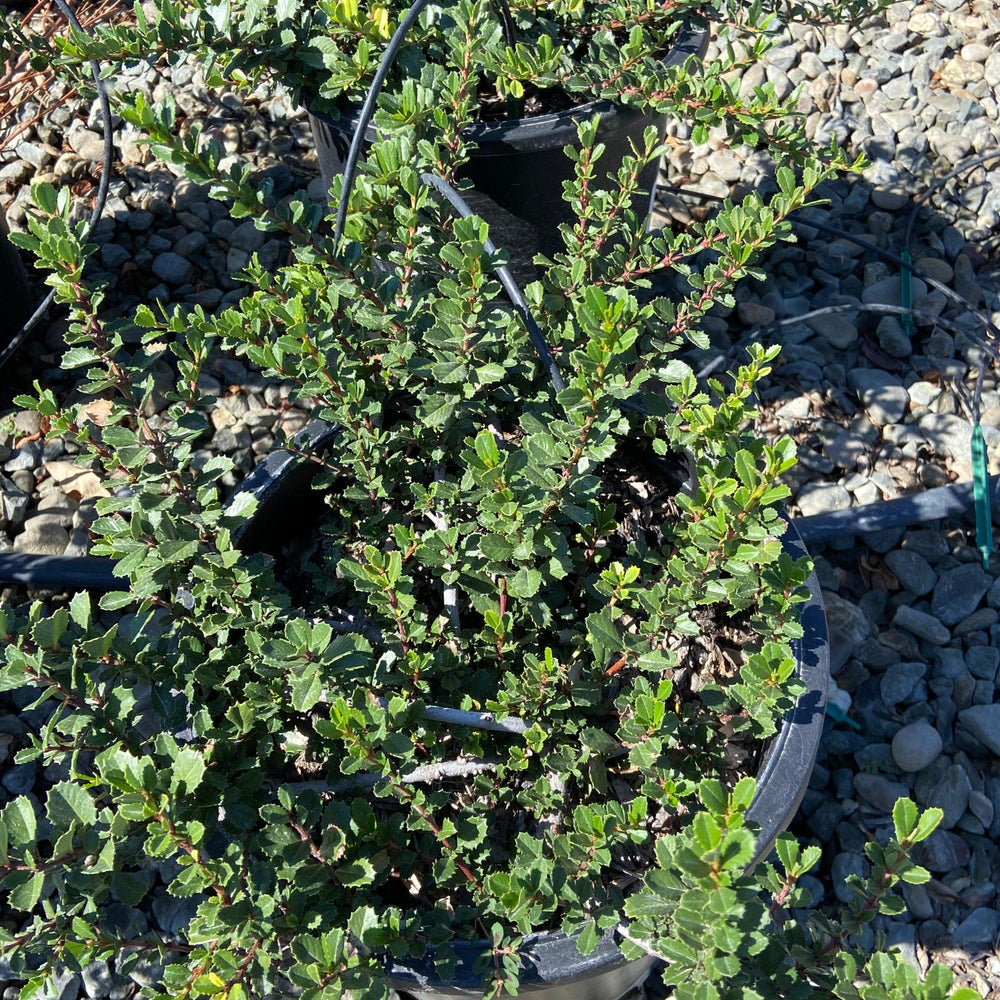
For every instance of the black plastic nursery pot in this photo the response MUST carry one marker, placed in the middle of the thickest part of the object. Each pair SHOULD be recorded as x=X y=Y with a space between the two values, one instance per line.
x=552 y=966
x=518 y=167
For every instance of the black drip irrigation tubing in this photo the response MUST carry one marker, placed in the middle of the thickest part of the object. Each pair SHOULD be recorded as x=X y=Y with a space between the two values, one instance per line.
x=368 y=110
x=914 y=508
x=102 y=190
x=88 y=572
x=506 y=279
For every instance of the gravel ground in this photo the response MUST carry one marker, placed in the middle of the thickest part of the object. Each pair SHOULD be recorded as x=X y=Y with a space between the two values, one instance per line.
x=878 y=410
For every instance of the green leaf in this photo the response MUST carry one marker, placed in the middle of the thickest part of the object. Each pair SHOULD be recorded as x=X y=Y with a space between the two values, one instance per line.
x=904 y=818
x=524 y=583
x=144 y=317
x=746 y=469
x=743 y=793
x=926 y=825
x=19 y=818
x=589 y=938
x=77 y=357
x=486 y=449
x=79 y=609
x=67 y=802
x=127 y=887
x=188 y=770
x=495 y=547
x=306 y=689
x=706 y=832
x=787 y=848
x=712 y=792
x=44 y=196
x=115 y=600
x=25 y=889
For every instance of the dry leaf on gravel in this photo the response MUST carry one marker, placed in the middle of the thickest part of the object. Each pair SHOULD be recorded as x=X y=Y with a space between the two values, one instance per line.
x=96 y=411
x=76 y=481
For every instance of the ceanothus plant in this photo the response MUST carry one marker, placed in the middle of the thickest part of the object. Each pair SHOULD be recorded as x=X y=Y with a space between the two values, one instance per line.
x=539 y=622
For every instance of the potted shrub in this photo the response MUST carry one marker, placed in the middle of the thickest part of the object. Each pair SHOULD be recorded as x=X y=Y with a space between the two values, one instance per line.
x=508 y=695
x=517 y=691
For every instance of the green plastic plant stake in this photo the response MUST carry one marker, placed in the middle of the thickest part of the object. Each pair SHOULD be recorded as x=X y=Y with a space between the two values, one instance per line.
x=981 y=495
x=906 y=292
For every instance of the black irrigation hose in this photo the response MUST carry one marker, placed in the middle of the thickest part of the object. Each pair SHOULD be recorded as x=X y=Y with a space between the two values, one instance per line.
x=928 y=505
x=507 y=280
x=91 y=572
x=102 y=190
x=368 y=110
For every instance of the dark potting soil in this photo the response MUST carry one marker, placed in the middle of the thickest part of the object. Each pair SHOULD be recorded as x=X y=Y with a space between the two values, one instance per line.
x=535 y=103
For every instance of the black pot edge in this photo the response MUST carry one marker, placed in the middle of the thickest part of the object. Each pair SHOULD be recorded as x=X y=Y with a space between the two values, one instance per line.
x=782 y=780
x=784 y=776
x=689 y=41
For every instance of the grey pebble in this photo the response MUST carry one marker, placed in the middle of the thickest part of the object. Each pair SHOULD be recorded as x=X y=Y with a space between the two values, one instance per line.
x=981 y=806
x=918 y=901
x=912 y=570
x=172 y=268
x=879 y=791
x=147 y=973
x=42 y=537
x=97 y=979
x=844 y=864
x=903 y=938
x=958 y=593
x=881 y=393
x=983 y=723
x=899 y=680
x=943 y=851
x=977 y=934
x=822 y=498
x=916 y=746
x=28 y=456
x=950 y=794
x=20 y=778
x=983 y=661
x=849 y=626
x=191 y=244
x=921 y=624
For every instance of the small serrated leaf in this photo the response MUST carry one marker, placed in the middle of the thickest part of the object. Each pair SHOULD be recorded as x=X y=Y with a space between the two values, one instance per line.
x=19 y=819
x=68 y=802
x=904 y=818
x=25 y=889
x=79 y=609
x=188 y=770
